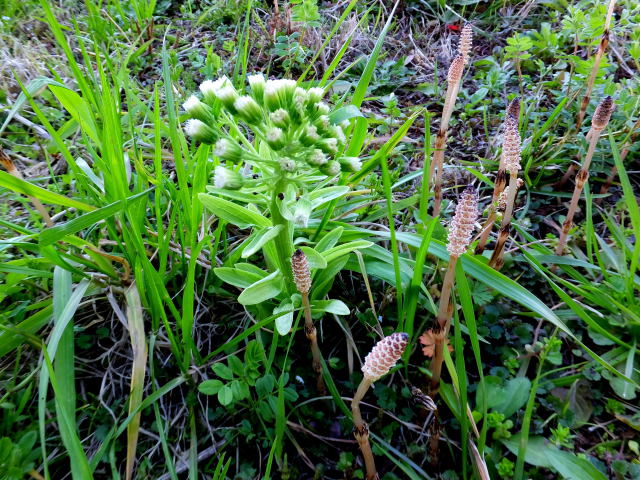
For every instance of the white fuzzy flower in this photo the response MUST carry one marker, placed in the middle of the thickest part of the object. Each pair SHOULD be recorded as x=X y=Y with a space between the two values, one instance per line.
x=275 y=138
x=248 y=109
x=228 y=150
x=316 y=94
x=226 y=178
x=200 y=131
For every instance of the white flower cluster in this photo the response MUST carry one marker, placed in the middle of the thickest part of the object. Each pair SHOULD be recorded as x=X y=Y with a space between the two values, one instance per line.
x=293 y=121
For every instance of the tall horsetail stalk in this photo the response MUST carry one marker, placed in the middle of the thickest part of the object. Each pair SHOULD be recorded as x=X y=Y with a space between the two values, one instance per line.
x=12 y=170
x=511 y=153
x=302 y=280
x=460 y=233
x=454 y=77
x=604 y=41
x=513 y=112
x=380 y=360
x=599 y=122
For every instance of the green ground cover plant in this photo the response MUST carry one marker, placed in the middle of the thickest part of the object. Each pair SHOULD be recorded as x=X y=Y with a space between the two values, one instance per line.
x=358 y=239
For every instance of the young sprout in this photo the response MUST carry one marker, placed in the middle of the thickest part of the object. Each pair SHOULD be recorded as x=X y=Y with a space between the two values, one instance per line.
x=460 y=233
x=599 y=122
x=382 y=358
x=511 y=153
x=302 y=280
x=454 y=77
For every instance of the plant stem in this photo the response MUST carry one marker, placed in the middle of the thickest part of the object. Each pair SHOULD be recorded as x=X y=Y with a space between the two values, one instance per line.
x=496 y=259
x=283 y=241
x=498 y=188
x=361 y=429
x=312 y=335
x=441 y=327
x=581 y=177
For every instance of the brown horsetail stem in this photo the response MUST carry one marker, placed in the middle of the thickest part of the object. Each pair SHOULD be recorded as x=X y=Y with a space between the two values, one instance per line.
x=460 y=233
x=12 y=170
x=598 y=123
x=382 y=358
x=513 y=113
x=511 y=154
x=302 y=279
x=604 y=41
x=454 y=77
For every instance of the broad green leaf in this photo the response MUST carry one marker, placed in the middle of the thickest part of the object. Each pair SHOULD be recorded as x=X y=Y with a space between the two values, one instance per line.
x=210 y=387
x=336 y=307
x=233 y=213
x=284 y=320
x=506 y=397
x=22 y=186
x=316 y=260
x=344 y=249
x=225 y=395
x=260 y=239
x=262 y=290
x=324 y=195
x=330 y=239
x=236 y=277
x=345 y=113
x=79 y=110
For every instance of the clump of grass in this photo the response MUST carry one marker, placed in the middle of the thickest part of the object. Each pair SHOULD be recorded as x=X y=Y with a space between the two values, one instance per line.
x=460 y=233
x=511 y=154
x=302 y=279
x=512 y=113
x=380 y=360
x=598 y=123
x=623 y=155
x=456 y=69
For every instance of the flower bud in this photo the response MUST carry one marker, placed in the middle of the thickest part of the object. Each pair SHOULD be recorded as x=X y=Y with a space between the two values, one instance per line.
x=350 y=164
x=227 y=96
x=301 y=273
x=336 y=131
x=197 y=109
x=257 y=84
x=248 y=109
x=300 y=98
x=322 y=123
x=275 y=138
x=316 y=94
x=228 y=150
x=279 y=93
x=209 y=89
x=302 y=212
x=317 y=158
x=309 y=136
x=200 y=131
x=227 y=178
x=319 y=108
x=280 y=118
x=328 y=145
x=384 y=355
x=331 y=168
x=287 y=165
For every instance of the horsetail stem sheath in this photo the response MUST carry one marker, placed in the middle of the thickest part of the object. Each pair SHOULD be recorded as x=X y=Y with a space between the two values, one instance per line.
x=513 y=112
x=454 y=77
x=302 y=280
x=511 y=153
x=598 y=123
x=382 y=358
x=460 y=233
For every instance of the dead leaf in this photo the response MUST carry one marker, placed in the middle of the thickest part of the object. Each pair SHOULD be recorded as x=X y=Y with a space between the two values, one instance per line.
x=428 y=340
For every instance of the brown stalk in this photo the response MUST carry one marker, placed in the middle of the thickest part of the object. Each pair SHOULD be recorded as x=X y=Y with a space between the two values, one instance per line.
x=604 y=41
x=454 y=77
x=513 y=112
x=598 y=123
x=11 y=168
x=302 y=279
x=614 y=171
x=380 y=360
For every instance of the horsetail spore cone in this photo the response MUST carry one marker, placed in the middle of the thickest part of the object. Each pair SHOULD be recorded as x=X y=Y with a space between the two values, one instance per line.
x=382 y=358
x=302 y=279
x=598 y=123
x=454 y=77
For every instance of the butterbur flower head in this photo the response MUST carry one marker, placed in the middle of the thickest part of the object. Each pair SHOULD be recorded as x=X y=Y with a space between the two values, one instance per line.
x=196 y=109
x=328 y=145
x=463 y=222
x=511 y=145
x=317 y=158
x=301 y=273
x=336 y=131
x=200 y=131
x=302 y=213
x=279 y=93
x=280 y=118
x=456 y=69
x=300 y=98
x=248 y=109
x=226 y=178
x=209 y=88
x=384 y=355
x=228 y=150
x=287 y=165
x=466 y=40
x=275 y=138
x=602 y=114
x=320 y=108
x=322 y=123
x=228 y=95
x=309 y=136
